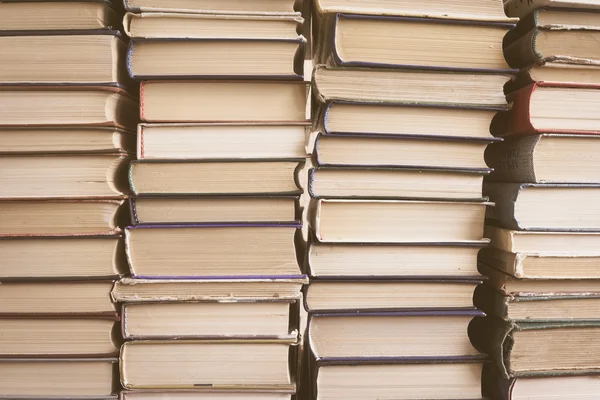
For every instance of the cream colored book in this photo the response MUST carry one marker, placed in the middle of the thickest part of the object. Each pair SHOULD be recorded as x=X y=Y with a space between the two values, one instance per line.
x=216 y=6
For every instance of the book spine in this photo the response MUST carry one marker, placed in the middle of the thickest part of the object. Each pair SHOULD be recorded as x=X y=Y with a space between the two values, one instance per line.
x=504 y=195
x=491 y=302
x=311 y=182
x=509 y=263
x=512 y=160
x=524 y=26
x=523 y=51
x=127 y=18
x=516 y=121
x=130 y=50
x=495 y=387
x=490 y=336
x=130 y=178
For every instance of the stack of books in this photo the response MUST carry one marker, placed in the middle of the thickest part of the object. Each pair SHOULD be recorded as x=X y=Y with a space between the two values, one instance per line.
x=406 y=92
x=542 y=295
x=66 y=123
x=212 y=305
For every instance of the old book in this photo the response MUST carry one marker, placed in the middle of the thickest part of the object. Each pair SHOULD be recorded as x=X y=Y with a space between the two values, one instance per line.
x=400 y=381
x=205 y=320
x=66 y=337
x=75 y=58
x=60 y=176
x=227 y=251
x=215 y=177
x=212 y=26
x=57 y=297
x=35 y=106
x=218 y=141
x=534 y=308
x=521 y=8
x=522 y=349
x=364 y=261
x=235 y=58
x=31 y=378
x=405 y=120
x=184 y=364
x=61 y=217
x=541 y=266
x=223 y=101
x=216 y=6
x=231 y=210
x=546 y=158
x=551 y=207
x=408 y=221
x=19 y=16
x=556 y=74
x=409 y=87
x=410 y=336
x=547 y=243
x=324 y=295
x=375 y=151
x=487 y=10
x=66 y=140
x=129 y=290
x=539 y=108
x=412 y=42
x=201 y=395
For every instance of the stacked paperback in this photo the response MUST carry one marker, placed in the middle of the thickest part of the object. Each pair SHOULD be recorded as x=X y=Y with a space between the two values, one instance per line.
x=405 y=95
x=213 y=301
x=66 y=138
x=542 y=294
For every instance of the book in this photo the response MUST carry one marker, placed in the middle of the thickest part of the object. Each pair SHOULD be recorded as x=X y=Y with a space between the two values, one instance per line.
x=411 y=336
x=67 y=298
x=19 y=16
x=128 y=290
x=227 y=251
x=539 y=108
x=218 y=141
x=556 y=73
x=398 y=183
x=232 y=58
x=545 y=158
x=203 y=210
x=61 y=217
x=541 y=266
x=199 y=395
x=386 y=261
x=409 y=87
x=394 y=221
x=27 y=378
x=223 y=101
x=418 y=153
x=66 y=337
x=65 y=58
x=184 y=364
x=206 y=177
x=521 y=8
x=330 y=295
x=36 y=106
x=66 y=140
x=405 y=120
x=546 y=243
x=534 y=308
x=488 y=10
x=215 y=6
x=212 y=26
x=365 y=40
x=205 y=320
x=60 y=176
x=544 y=206
x=520 y=349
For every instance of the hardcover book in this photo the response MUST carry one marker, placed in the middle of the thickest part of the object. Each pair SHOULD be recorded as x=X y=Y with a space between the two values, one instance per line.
x=216 y=6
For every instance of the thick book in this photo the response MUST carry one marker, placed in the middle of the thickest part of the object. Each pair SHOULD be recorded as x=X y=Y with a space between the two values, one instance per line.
x=216 y=177
x=62 y=257
x=521 y=8
x=418 y=153
x=216 y=6
x=545 y=158
x=543 y=108
x=62 y=217
x=224 y=101
x=544 y=206
x=60 y=176
x=48 y=378
x=65 y=139
x=387 y=86
x=227 y=251
x=397 y=221
x=252 y=365
x=556 y=73
x=221 y=141
x=530 y=349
